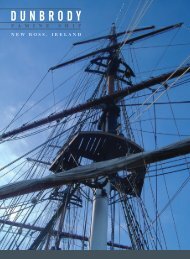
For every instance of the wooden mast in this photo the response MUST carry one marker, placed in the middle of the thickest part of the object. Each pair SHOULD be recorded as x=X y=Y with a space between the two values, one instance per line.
x=98 y=240
x=99 y=227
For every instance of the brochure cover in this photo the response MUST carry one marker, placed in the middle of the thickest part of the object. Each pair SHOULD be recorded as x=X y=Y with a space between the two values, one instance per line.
x=94 y=141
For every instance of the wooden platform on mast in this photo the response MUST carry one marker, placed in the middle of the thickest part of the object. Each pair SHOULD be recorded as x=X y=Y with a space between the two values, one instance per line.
x=99 y=146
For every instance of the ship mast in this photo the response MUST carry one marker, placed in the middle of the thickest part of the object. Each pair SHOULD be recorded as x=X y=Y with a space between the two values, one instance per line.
x=98 y=238
x=102 y=175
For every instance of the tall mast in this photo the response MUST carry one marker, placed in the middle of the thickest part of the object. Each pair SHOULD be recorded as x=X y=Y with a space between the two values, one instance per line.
x=99 y=227
x=99 y=146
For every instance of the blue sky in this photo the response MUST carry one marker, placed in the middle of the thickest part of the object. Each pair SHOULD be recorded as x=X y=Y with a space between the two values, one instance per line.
x=24 y=61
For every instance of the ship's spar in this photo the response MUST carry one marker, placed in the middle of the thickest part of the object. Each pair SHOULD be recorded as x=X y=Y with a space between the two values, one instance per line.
x=108 y=165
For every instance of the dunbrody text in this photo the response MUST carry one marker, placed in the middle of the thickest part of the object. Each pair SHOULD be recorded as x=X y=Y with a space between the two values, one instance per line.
x=45 y=16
